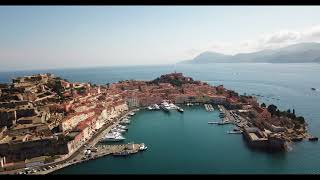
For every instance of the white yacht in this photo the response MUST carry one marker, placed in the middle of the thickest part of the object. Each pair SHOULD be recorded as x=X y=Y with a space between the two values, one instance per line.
x=156 y=106
x=180 y=109
x=125 y=121
x=118 y=130
x=113 y=137
x=172 y=106
x=165 y=106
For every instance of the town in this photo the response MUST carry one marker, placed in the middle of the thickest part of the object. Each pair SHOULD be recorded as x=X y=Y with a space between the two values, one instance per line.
x=46 y=119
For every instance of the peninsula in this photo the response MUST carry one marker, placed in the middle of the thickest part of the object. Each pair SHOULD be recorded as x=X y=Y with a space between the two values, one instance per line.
x=46 y=119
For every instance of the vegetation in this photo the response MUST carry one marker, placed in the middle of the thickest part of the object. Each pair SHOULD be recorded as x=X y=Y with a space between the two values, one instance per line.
x=275 y=111
x=263 y=105
x=272 y=109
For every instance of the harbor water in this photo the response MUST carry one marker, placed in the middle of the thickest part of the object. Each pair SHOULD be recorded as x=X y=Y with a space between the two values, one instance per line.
x=184 y=143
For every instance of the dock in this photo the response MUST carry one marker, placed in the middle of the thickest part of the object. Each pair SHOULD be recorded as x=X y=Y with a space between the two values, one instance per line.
x=213 y=122
x=102 y=150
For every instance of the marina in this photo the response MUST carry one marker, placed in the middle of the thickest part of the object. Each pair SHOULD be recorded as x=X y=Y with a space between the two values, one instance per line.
x=161 y=141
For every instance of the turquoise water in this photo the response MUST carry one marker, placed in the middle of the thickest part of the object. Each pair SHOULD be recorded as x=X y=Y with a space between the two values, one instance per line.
x=185 y=143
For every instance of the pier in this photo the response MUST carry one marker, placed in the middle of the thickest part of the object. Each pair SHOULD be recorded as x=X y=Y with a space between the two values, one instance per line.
x=101 y=150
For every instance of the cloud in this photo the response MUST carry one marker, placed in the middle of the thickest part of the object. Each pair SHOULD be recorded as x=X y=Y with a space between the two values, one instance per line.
x=268 y=41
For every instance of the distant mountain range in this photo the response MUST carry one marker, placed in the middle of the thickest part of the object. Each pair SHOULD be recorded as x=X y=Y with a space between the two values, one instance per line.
x=297 y=53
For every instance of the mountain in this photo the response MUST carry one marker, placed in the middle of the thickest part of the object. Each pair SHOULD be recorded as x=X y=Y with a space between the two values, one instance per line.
x=297 y=53
x=207 y=57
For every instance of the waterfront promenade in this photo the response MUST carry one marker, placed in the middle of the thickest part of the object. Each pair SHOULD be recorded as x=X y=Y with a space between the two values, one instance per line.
x=78 y=156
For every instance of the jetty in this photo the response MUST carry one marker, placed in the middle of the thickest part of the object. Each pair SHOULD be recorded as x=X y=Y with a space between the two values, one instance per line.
x=98 y=151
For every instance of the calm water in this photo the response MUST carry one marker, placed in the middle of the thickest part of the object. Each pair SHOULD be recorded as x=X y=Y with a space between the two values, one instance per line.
x=185 y=143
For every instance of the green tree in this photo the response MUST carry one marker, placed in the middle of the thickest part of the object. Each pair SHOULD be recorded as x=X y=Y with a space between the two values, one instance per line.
x=288 y=111
x=300 y=119
x=272 y=109
x=263 y=105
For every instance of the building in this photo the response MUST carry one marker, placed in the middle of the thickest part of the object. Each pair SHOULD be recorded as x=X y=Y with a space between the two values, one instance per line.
x=256 y=138
x=132 y=102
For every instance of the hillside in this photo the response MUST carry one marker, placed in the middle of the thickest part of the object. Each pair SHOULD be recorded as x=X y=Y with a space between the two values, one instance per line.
x=297 y=53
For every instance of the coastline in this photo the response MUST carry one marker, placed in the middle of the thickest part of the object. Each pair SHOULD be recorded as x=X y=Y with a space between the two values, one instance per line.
x=93 y=142
x=74 y=157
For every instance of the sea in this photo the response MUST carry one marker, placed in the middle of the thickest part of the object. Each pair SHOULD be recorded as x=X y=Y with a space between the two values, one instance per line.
x=184 y=143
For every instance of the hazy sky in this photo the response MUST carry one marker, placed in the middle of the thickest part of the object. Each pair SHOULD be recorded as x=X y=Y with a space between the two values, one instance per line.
x=76 y=36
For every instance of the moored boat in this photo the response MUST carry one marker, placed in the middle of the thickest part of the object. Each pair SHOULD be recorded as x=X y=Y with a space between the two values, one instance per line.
x=113 y=137
x=180 y=109
x=165 y=106
x=142 y=147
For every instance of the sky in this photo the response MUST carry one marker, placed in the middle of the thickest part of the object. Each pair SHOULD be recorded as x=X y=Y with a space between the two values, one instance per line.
x=45 y=37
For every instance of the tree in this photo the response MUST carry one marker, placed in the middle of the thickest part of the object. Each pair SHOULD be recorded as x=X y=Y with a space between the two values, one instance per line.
x=300 y=119
x=288 y=111
x=263 y=105
x=272 y=109
x=293 y=111
x=278 y=113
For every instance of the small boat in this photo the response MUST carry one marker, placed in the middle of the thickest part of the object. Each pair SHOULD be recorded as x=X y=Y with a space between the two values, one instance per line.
x=156 y=106
x=234 y=132
x=117 y=130
x=180 y=109
x=132 y=114
x=313 y=138
x=142 y=147
x=122 y=127
x=313 y=89
x=124 y=122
